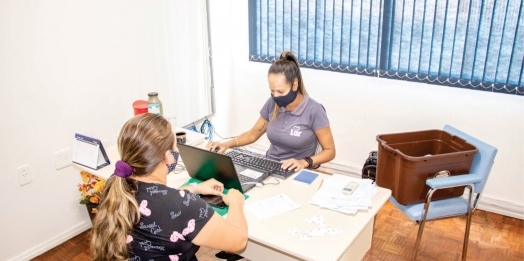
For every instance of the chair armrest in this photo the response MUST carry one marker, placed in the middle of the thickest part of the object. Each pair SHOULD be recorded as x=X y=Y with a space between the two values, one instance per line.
x=454 y=181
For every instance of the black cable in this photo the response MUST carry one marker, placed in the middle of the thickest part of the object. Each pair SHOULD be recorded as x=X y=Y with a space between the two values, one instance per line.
x=278 y=182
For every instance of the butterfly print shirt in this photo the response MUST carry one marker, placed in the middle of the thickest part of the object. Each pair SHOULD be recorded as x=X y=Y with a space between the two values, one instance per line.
x=169 y=220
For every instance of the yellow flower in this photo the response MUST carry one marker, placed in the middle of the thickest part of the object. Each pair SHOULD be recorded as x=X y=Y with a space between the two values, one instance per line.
x=94 y=199
x=91 y=188
x=99 y=186
x=85 y=176
x=82 y=188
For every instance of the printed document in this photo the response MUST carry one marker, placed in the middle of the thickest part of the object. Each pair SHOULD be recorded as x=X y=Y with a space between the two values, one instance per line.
x=272 y=206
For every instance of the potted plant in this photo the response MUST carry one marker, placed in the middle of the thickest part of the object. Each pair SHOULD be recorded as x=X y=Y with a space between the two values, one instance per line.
x=91 y=192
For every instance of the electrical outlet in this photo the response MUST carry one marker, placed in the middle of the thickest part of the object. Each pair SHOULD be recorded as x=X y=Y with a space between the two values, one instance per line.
x=24 y=175
x=63 y=158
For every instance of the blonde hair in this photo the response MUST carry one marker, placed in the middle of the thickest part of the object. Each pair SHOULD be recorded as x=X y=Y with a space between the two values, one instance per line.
x=287 y=65
x=142 y=143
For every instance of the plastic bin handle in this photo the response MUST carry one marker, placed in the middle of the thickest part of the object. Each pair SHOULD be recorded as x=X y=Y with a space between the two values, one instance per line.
x=390 y=149
x=454 y=181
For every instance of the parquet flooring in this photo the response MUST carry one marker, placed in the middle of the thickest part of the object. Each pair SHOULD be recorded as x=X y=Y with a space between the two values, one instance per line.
x=493 y=237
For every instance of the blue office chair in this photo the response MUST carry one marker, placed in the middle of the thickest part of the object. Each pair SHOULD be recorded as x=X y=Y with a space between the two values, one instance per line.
x=457 y=206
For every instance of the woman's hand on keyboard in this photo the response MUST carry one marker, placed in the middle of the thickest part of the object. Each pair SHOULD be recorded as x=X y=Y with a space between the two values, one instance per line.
x=211 y=187
x=216 y=147
x=294 y=164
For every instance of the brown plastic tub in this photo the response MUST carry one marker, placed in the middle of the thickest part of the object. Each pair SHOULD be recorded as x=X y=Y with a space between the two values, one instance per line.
x=406 y=160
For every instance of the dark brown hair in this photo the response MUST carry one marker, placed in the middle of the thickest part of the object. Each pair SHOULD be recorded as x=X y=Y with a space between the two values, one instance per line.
x=287 y=65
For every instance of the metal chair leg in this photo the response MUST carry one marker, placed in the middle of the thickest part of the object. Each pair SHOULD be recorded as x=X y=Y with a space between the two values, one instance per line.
x=468 y=224
x=422 y=223
x=419 y=237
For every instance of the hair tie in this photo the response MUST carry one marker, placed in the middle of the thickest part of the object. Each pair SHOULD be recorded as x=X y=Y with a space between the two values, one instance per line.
x=123 y=169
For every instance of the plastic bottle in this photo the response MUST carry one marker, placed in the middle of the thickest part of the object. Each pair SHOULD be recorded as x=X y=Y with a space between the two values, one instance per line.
x=155 y=105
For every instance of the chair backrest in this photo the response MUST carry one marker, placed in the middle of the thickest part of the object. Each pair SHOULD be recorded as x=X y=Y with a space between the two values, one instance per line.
x=483 y=160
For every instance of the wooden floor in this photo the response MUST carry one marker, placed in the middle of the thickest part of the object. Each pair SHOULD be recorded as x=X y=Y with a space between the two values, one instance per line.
x=493 y=238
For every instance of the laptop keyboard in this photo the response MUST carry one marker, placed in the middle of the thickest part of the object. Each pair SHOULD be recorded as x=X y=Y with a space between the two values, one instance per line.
x=259 y=164
x=244 y=179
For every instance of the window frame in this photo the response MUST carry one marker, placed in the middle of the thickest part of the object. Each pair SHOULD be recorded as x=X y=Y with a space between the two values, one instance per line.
x=384 y=53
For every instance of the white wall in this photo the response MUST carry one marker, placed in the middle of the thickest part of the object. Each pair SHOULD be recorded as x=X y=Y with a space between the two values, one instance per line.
x=76 y=66
x=361 y=107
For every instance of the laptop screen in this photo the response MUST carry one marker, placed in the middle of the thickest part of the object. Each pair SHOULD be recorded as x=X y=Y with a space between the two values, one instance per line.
x=202 y=164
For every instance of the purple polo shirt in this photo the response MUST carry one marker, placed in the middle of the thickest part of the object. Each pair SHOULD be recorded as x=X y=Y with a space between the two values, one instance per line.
x=292 y=133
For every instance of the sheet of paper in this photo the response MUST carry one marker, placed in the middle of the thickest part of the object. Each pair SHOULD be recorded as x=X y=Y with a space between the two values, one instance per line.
x=272 y=206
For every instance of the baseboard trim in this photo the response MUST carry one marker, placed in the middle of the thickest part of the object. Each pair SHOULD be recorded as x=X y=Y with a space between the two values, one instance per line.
x=336 y=168
x=501 y=207
x=53 y=242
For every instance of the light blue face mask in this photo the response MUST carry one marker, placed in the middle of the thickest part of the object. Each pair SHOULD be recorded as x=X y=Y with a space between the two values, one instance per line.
x=172 y=166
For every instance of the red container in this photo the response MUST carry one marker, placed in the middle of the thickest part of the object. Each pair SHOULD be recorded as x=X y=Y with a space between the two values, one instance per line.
x=406 y=160
x=140 y=106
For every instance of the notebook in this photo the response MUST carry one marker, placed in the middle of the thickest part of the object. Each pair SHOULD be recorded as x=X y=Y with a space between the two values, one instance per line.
x=204 y=164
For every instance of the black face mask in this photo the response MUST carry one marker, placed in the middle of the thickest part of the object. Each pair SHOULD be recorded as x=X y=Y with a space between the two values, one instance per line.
x=171 y=167
x=283 y=101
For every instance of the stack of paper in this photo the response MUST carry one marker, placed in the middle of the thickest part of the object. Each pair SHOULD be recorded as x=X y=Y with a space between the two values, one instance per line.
x=330 y=194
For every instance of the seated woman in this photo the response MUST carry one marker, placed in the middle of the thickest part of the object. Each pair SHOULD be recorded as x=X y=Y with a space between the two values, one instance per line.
x=140 y=218
x=294 y=122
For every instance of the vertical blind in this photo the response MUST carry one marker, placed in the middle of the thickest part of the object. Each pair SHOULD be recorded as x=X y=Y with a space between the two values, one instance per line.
x=477 y=44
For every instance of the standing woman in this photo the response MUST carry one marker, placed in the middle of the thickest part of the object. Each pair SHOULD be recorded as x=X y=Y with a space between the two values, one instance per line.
x=294 y=122
x=140 y=218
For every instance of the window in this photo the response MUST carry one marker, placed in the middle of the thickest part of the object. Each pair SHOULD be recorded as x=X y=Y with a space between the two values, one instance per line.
x=476 y=44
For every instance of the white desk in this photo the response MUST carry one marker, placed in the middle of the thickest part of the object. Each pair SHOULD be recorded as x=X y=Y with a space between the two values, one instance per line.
x=269 y=238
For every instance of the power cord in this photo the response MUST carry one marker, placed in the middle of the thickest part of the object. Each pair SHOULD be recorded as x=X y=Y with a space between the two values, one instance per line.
x=261 y=183
x=272 y=183
x=222 y=138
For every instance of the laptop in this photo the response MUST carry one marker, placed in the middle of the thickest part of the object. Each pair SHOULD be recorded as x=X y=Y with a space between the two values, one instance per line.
x=203 y=164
